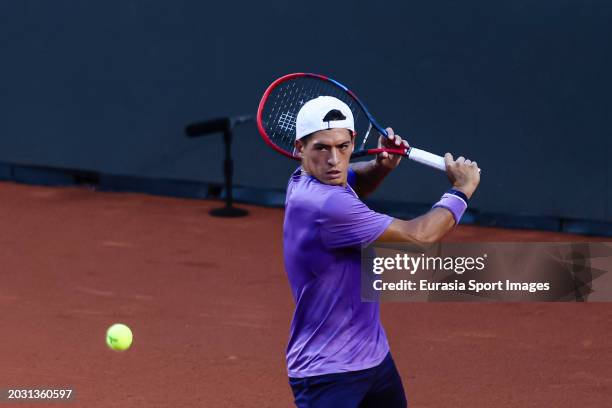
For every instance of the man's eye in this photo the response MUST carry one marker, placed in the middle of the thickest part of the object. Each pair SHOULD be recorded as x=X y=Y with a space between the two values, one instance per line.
x=343 y=147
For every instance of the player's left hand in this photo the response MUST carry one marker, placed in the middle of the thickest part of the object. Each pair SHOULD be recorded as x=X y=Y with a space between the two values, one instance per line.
x=384 y=159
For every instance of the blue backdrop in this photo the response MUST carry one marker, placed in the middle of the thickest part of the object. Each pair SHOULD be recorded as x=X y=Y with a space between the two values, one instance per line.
x=523 y=87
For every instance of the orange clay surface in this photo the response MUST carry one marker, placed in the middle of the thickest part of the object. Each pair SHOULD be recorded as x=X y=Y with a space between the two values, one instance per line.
x=210 y=307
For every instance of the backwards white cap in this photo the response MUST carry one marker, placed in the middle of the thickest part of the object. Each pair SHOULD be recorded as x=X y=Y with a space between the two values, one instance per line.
x=311 y=115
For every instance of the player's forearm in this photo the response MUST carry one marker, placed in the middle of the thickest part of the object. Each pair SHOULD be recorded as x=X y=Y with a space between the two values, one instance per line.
x=369 y=176
x=424 y=230
x=432 y=226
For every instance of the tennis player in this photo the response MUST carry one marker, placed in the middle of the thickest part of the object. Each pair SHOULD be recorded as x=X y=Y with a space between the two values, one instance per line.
x=338 y=355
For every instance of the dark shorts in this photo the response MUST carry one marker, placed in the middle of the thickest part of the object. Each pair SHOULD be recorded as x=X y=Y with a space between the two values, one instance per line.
x=379 y=386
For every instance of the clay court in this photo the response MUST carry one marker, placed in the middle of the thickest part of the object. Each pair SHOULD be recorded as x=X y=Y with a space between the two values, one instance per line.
x=210 y=308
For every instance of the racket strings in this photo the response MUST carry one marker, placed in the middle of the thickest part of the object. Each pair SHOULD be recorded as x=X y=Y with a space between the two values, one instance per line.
x=284 y=102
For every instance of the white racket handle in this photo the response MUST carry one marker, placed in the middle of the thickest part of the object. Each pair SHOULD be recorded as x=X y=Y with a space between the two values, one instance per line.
x=426 y=158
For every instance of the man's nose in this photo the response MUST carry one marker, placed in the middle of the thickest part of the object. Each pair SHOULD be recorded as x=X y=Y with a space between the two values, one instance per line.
x=333 y=157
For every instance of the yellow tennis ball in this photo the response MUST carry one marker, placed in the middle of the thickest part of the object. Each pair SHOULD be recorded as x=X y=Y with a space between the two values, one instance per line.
x=119 y=337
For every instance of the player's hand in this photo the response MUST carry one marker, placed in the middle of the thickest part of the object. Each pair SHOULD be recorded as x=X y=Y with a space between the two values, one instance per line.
x=463 y=174
x=386 y=160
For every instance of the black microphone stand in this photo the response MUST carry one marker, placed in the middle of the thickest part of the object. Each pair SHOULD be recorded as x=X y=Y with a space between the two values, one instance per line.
x=225 y=126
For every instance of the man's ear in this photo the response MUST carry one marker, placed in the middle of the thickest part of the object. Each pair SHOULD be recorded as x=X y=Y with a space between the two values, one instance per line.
x=299 y=148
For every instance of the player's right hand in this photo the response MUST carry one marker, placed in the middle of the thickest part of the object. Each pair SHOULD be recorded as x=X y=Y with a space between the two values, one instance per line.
x=463 y=174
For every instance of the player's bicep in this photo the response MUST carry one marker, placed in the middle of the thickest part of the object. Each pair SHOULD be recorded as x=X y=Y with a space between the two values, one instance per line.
x=394 y=232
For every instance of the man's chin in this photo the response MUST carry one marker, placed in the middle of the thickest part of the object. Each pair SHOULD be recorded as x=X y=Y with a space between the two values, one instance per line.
x=336 y=181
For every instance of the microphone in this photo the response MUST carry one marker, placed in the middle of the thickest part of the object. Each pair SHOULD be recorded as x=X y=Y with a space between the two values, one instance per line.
x=217 y=125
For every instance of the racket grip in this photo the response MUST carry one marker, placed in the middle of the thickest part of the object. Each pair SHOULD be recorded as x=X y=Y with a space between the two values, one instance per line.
x=426 y=158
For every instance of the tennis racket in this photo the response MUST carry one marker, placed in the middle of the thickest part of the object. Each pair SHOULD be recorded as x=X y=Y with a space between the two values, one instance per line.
x=283 y=99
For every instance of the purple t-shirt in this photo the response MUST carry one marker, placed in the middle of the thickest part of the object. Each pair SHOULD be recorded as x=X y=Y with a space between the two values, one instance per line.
x=332 y=330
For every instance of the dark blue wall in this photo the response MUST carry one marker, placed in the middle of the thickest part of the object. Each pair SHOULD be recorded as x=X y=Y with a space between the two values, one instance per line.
x=523 y=87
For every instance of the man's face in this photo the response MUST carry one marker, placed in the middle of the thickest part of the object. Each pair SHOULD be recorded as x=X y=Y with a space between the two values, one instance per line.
x=326 y=155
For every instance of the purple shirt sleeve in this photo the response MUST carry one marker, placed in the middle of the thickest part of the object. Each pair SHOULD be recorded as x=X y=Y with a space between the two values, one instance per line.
x=351 y=178
x=347 y=222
